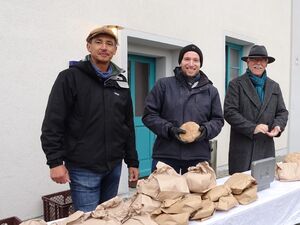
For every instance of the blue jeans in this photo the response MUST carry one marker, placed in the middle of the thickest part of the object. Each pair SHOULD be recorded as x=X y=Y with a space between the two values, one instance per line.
x=89 y=189
x=178 y=165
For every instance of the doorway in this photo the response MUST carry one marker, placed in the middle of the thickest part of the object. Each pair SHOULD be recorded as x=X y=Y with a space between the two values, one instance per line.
x=141 y=77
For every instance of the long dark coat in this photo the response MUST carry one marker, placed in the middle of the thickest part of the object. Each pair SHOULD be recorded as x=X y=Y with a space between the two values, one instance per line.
x=244 y=111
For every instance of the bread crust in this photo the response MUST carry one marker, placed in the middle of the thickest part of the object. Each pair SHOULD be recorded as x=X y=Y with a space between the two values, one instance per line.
x=192 y=132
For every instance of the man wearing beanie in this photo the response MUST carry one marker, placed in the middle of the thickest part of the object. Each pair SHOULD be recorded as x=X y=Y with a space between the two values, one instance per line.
x=187 y=96
x=88 y=126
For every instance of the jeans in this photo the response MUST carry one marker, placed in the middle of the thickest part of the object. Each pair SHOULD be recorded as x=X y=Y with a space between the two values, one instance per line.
x=89 y=189
x=178 y=165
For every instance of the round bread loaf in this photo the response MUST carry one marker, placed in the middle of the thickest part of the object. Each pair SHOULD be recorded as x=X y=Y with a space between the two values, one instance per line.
x=192 y=132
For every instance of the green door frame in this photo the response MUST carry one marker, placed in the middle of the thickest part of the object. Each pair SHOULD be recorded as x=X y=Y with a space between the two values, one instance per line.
x=238 y=48
x=146 y=138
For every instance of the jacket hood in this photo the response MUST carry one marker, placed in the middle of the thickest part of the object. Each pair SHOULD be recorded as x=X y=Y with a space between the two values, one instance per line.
x=86 y=67
x=116 y=78
x=181 y=77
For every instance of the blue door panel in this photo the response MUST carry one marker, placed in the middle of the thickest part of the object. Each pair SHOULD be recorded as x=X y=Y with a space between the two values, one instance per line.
x=144 y=137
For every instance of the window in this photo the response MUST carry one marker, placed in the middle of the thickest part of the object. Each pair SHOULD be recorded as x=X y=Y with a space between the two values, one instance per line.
x=233 y=62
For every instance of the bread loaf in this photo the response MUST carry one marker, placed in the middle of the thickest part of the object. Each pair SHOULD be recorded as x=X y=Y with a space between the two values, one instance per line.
x=192 y=132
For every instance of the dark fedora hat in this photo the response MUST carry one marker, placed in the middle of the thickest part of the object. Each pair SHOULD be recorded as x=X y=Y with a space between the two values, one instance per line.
x=258 y=51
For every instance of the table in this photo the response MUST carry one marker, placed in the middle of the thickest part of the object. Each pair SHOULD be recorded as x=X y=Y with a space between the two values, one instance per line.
x=277 y=205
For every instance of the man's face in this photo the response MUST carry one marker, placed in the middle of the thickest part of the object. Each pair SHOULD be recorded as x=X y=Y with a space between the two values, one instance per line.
x=257 y=65
x=102 y=48
x=190 y=63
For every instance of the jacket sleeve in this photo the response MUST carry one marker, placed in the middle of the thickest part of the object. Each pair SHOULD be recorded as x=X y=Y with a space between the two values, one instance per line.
x=131 y=156
x=152 y=111
x=282 y=113
x=216 y=120
x=231 y=112
x=53 y=127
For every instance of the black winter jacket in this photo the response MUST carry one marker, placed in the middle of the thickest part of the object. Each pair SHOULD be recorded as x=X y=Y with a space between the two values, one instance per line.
x=173 y=102
x=89 y=122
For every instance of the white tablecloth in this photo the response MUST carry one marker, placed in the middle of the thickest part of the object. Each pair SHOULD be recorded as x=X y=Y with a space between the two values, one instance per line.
x=277 y=205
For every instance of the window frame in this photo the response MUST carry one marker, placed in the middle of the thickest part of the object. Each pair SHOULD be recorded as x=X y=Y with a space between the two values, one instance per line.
x=228 y=47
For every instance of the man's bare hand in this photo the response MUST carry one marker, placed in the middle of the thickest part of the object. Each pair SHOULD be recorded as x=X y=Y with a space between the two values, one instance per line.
x=274 y=132
x=133 y=174
x=261 y=128
x=60 y=174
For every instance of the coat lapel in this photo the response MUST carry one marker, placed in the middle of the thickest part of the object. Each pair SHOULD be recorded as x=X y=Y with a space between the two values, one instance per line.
x=269 y=86
x=250 y=91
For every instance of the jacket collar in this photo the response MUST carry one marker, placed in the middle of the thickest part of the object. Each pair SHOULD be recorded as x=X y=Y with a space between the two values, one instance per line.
x=250 y=90
x=116 y=79
x=180 y=77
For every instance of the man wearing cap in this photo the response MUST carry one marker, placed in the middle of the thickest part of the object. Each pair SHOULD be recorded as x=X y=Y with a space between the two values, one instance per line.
x=187 y=96
x=255 y=109
x=88 y=126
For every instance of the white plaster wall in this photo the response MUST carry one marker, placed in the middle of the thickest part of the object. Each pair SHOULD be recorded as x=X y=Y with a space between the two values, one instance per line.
x=294 y=144
x=38 y=38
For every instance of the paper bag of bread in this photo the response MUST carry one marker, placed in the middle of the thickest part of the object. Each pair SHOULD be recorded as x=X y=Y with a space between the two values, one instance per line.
x=200 y=178
x=293 y=157
x=287 y=171
x=243 y=187
x=163 y=183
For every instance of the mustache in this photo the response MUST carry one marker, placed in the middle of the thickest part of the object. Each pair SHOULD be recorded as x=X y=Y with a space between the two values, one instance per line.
x=258 y=66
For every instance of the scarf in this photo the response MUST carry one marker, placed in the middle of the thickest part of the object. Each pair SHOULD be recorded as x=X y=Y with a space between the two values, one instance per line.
x=103 y=75
x=191 y=80
x=259 y=83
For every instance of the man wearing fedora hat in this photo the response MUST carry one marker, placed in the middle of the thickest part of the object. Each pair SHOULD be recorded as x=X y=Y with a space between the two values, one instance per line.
x=175 y=100
x=88 y=126
x=255 y=109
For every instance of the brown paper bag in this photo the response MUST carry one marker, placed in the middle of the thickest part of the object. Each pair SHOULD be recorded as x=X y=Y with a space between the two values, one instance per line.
x=148 y=186
x=247 y=196
x=77 y=217
x=144 y=204
x=292 y=157
x=140 y=220
x=106 y=221
x=163 y=183
x=239 y=182
x=207 y=210
x=114 y=208
x=226 y=202
x=200 y=178
x=189 y=203
x=217 y=192
x=287 y=171
x=172 y=219
x=33 y=222
x=168 y=202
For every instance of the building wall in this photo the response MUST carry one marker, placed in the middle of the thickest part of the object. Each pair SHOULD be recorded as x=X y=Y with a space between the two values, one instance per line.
x=38 y=38
x=294 y=144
